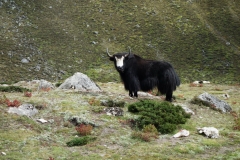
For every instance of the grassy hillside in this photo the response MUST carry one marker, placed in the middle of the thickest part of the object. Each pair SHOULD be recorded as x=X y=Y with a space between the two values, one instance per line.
x=201 y=38
x=25 y=138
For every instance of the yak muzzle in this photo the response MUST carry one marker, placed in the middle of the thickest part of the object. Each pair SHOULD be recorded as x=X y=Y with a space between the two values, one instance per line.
x=120 y=69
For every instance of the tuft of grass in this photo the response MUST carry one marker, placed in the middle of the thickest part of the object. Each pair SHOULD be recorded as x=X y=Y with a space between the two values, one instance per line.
x=189 y=148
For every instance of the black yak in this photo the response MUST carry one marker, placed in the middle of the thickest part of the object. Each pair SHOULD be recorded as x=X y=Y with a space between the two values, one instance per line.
x=139 y=74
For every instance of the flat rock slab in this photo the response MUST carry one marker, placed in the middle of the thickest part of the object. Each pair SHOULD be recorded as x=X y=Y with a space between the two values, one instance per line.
x=215 y=103
x=81 y=82
x=25 y=109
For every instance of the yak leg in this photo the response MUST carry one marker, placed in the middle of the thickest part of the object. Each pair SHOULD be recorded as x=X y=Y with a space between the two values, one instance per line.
x=169 y=96
x=134 y=88
x=135 y=94
x=130 y=94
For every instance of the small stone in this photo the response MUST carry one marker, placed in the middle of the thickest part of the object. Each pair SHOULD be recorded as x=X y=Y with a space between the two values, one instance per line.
x=93 y=42
x=24 y=60
x=3 y=153
x=182 y=133
x=95 y=32
x=42 y=120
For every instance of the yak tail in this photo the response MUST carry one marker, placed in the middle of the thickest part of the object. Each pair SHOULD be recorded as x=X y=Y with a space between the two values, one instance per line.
x=168 y=81
x=172 y=79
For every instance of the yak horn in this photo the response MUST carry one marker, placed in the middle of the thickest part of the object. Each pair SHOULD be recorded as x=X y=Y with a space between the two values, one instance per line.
x=129 y=49
x=109 y=55
x=128 y=52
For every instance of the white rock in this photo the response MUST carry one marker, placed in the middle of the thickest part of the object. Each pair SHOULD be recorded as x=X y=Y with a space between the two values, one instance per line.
x=206 y=82
x=201 y=82
x=210 y=132
x=3 y=153
x=144 y=94
x=42 y=120
x=182 y=133
x=225 y=96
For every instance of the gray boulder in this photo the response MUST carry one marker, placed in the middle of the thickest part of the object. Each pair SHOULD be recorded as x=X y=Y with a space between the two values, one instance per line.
x=43 y=84
x=24 y=109
x=215 y=103
x=81 y=82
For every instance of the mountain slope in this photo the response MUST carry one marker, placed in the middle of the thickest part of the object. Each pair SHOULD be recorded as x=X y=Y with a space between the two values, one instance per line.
x=54 y=39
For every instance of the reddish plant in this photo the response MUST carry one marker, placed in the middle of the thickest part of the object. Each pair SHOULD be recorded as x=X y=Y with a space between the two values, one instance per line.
x=14 y=103
x=27 y=94
x=46 y=89
x=84 y=130
x=195 y=85
x=144 y=136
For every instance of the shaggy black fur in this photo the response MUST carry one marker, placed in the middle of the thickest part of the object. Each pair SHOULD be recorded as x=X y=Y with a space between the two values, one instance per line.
x=140 y=74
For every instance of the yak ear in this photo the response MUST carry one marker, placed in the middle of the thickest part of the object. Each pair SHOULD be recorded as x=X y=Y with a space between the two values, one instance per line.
x=111 y=58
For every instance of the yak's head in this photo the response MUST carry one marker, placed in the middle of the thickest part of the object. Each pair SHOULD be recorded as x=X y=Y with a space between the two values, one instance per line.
x=119 y=60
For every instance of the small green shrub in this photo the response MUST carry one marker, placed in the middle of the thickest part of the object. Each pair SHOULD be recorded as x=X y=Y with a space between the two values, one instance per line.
x=164 y=116
x=13 y=89
x=80 y=141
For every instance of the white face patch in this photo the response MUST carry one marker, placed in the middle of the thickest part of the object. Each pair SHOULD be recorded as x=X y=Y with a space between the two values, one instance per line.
x=119 y=61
